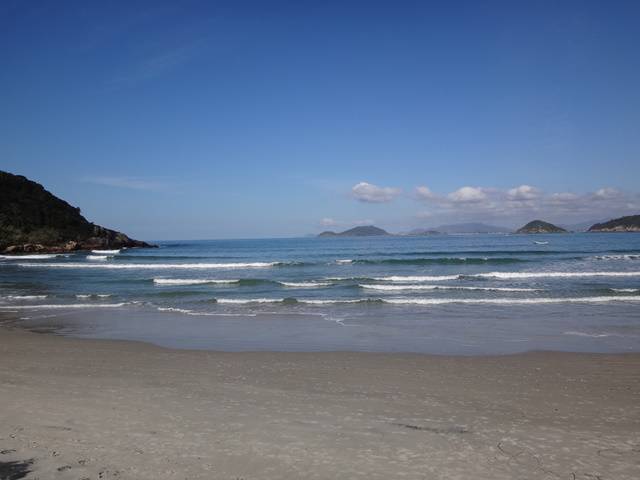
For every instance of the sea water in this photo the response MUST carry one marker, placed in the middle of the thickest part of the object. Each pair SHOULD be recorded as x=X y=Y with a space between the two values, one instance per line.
x=458 y=294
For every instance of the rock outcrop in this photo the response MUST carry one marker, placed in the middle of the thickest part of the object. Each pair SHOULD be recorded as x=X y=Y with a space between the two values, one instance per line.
x=538 y=226
x=34 y=220
x=630 y=223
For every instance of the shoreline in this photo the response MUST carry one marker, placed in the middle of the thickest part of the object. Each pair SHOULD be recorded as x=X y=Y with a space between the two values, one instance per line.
x=84 y=408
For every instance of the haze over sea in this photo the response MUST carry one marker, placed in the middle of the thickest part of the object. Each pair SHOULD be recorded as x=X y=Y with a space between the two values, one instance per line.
x=453 y=294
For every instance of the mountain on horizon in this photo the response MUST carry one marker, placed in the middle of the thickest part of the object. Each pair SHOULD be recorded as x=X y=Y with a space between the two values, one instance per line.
x=419 y=232
x=364 y=231
x=540 y=226
x=473 y=227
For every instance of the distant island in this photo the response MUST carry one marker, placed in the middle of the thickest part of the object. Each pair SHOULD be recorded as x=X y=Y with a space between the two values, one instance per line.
x=34 y=220
x=420 y=232
x=630 y=223
x=365 y=231
x=471 y=228
x=538 y=226
x=624 y=224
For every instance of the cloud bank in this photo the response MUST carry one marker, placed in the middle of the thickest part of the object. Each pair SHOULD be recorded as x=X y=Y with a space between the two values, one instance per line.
x=369 y=193
x=526 y=201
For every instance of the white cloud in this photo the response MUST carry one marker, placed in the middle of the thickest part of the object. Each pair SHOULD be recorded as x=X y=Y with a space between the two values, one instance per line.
x=367 y=192
x=563 y=198
x=328 y=222
x=524 y=202
x=424 y=193
x=605 y=193
x=467 y=195
x=522 y=193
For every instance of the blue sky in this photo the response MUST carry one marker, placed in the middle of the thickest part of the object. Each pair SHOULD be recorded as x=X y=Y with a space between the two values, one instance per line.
x=250 y=119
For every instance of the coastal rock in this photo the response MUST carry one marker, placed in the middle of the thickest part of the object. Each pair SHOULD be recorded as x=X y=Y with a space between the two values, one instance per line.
x=538 y=226
x=630 y=223
x=32 y=220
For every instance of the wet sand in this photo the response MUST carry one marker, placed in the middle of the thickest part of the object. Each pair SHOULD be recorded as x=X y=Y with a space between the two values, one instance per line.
x=90 y=409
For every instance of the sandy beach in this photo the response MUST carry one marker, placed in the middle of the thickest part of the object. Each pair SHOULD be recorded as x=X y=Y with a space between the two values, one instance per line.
x=87 y=409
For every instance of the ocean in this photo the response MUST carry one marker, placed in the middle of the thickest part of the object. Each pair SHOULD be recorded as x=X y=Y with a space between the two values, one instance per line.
x=441 y=294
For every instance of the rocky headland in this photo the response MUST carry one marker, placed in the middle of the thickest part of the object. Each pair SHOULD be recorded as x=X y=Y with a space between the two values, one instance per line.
x=630 y=223
x=34 y=220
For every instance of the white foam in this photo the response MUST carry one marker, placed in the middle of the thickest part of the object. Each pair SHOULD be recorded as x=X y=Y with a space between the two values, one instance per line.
x=153 y=266
x=28 y=257
x=443 y=287
x=626 y=290
x=509 y=301
x=106 y=252
x=306 y=284
x=249 y=300
x=203 y=314
x=189 y=281
x=62 y=306
x=93 y=295
x=592 y=335
x=345 y=261
x=174 y=309
x=26 y=297
x=427 y=278
x=618 y=257
x=97 y=257
x=512 y=275
x=327 y=302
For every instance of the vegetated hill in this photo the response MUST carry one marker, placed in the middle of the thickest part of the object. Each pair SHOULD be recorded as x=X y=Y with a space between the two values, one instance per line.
x=34 y=220
x=366 y=231
x=630 y=223
x=538 y=226
x=472 y=228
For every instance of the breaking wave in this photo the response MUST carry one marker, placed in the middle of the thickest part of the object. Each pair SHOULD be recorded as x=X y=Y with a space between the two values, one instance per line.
x=29 y=257
x=310 y=284
x=505 y=276
x=441 y=261
x=618 y=257
x=417 y=278
x=189 y=281
x=97 y=257
x=400 y=288
x=429 y=301
x=63 y=306
x=26 y=297
x=156 y=266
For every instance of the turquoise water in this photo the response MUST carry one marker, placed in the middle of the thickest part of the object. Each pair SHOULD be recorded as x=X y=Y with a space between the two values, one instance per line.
x=464 y=294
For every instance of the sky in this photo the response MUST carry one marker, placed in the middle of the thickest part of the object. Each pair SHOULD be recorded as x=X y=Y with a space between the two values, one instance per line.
x=211 y=119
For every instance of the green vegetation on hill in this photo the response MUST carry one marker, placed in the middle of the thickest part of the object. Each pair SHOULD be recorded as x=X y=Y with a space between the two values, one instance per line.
x=32 y=219
x=538 y=226
x=630 y=223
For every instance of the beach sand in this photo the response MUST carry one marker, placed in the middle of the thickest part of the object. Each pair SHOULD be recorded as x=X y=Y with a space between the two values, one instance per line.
x=86 y=409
